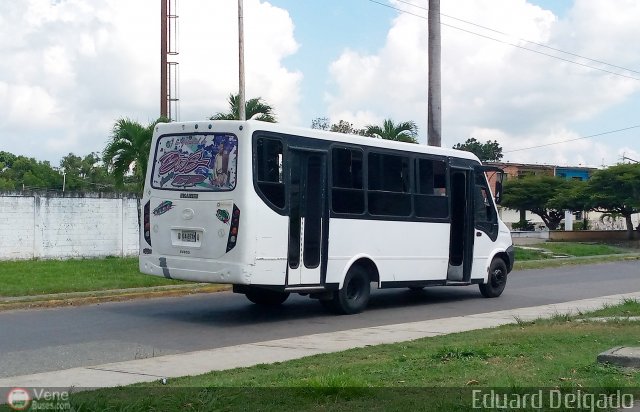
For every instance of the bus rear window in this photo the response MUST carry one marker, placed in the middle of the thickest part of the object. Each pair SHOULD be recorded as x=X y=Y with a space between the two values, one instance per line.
x=199 y=162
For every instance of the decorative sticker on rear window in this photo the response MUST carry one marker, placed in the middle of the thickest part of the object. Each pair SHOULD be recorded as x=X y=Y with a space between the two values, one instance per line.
x=198 y=162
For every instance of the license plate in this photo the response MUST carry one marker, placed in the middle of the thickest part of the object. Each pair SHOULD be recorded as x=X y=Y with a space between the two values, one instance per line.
x=190 y=236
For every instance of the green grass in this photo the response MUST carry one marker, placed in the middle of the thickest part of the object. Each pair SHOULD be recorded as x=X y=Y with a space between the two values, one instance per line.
x=582 y=249
x=530 y=254
x=427 y=374
x=571 y=249
x=38 y=277
x=630 y=307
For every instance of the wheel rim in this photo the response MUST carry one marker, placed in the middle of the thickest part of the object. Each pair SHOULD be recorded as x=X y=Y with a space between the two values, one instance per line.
x=498 y=277
x=354 y=289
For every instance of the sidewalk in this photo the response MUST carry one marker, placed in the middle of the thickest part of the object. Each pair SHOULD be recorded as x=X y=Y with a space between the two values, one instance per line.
x=194 y=363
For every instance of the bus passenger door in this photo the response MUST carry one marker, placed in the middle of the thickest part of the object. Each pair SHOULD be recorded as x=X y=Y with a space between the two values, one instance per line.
x=461 y=236
x=308 y=220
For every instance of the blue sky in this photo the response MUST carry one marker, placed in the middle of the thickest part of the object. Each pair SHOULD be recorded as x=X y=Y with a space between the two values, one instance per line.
x=70 y=68
x=363 y=25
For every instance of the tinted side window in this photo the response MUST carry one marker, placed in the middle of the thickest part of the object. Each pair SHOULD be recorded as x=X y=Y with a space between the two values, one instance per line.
x=347 y=192
x=431 y=199
x=482 y=205
x=389 y=185
x=269 y=172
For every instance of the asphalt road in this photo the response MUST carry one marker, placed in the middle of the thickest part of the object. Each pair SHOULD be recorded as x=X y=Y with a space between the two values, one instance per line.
x=43 y=340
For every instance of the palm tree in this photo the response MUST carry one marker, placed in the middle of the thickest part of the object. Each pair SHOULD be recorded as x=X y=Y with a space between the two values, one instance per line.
x=256 y=109
x=128 y=147
x=401 y=132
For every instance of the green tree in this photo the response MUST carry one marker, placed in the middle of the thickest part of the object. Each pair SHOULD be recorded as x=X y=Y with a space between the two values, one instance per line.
x=573 y=195
x=7 y=181
x=23 y=172
x=486 y=152
x=345 y=127
x=535 y=193
x=128 y=149
x=71 y=166
x=255 y=109
x=320 y=123
x=401 y=132
x=86 y=173
x=616 y=190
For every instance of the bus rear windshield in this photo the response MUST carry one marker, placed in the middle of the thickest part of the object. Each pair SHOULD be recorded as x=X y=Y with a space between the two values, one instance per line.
x=198 y=162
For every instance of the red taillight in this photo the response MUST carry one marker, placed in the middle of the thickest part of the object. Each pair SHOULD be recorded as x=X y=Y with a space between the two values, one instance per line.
x=147 y=223
x=233 y=231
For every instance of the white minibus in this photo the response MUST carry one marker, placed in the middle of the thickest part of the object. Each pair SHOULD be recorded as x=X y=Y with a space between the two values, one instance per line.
x=275 y=210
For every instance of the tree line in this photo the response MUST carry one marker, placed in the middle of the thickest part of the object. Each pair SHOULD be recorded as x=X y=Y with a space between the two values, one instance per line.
x=122 y=167
x=614 y=191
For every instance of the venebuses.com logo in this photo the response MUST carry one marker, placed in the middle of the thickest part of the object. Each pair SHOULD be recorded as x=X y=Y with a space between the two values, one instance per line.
x=19 y=399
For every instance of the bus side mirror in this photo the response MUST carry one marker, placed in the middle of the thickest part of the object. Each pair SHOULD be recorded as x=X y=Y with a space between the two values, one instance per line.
x=498 y=193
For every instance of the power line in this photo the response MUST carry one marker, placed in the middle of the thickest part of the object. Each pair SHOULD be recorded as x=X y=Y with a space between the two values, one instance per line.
x=573 y=140
x=511 y=44
x=521 y=39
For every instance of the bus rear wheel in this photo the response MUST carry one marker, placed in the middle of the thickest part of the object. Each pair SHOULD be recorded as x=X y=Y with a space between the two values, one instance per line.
x=497 y=279
x=354 y=295
x=266 y=297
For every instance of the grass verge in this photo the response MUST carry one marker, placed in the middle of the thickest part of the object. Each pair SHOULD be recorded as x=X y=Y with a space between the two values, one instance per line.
x=39 y=277
x=572 y=249
x=437 y=373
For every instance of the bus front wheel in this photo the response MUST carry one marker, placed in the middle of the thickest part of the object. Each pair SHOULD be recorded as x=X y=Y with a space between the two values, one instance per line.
x=266 y=297
x=497 y=279
x=354 y=295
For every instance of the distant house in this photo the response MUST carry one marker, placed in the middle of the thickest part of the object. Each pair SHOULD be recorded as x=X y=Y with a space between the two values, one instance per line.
x=574 y=173
x=519 y=170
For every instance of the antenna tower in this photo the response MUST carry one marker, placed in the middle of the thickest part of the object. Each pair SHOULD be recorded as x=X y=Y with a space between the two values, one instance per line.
x=169 y=73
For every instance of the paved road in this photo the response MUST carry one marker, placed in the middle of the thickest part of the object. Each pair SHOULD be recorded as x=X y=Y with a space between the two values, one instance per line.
x=51 y=339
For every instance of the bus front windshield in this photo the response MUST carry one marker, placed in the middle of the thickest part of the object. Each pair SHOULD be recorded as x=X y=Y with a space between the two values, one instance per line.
x=195 y=162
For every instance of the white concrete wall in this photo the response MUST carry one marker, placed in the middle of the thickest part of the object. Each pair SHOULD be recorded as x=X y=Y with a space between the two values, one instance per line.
x=596 y=220
x=53 y=227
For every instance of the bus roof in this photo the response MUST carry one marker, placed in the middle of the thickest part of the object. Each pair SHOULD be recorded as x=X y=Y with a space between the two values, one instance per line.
x=254 y=125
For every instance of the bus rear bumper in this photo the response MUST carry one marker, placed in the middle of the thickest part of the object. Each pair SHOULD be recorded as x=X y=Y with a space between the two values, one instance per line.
x=205 y=271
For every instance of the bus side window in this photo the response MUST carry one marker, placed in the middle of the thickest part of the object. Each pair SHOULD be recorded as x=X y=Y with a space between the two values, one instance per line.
x=483 y=207
x=431 y=189
x=347 y=192
x=269 y=173
x=389 y=191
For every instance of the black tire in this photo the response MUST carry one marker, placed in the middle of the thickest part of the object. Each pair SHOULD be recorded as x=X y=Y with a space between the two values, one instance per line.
x=354 y=295
x=497 y=279
x=266 y=297
x=416 y=288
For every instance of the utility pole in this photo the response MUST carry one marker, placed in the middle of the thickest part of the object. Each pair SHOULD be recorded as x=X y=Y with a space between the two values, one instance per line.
x=164 y=81
x=241 y=98
x=434 y=119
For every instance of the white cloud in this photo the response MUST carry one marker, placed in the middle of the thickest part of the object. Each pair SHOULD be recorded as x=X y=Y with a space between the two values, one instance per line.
x=495 y=91
x=70 y=68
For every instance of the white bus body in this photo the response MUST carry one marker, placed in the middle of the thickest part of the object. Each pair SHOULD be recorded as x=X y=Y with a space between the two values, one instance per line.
x=275 y=210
